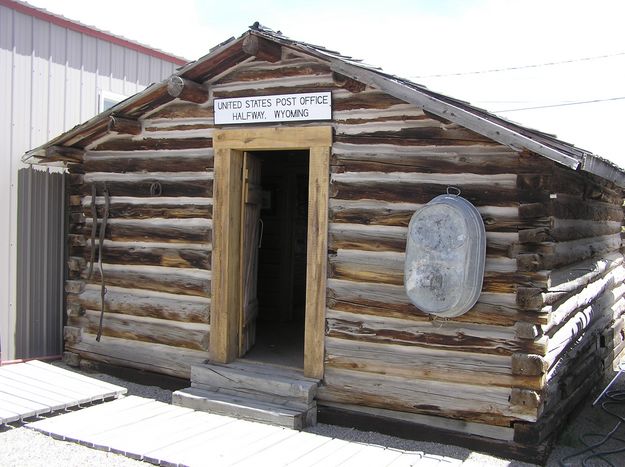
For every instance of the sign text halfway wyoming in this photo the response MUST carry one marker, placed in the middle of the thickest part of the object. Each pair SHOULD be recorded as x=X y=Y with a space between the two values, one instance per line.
x=277 y=108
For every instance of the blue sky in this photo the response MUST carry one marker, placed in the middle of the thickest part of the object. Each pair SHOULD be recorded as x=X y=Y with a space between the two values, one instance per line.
x=422 y=38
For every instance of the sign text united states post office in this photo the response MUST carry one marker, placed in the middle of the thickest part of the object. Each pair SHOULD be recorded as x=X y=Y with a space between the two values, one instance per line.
x=276 y=108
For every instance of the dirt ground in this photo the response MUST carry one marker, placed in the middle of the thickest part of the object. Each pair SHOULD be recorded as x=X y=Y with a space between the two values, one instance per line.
x=590 y=425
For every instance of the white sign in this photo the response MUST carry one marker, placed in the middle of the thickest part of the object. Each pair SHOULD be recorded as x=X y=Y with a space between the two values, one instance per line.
x=277 y=108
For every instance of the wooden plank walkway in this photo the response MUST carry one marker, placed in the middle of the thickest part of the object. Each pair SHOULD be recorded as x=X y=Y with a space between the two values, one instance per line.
x=34 y=388
x=160 y=433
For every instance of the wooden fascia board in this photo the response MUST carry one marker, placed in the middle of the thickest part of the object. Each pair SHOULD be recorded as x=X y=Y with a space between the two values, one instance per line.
x=604 y=169
x=277 y=138
x=454 y=114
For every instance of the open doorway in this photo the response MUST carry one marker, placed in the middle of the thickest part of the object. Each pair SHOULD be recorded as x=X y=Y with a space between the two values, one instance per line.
x=281 y=258
x=230 y=219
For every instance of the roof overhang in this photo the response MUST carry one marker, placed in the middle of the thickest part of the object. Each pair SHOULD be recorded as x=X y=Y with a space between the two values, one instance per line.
x=232 y=52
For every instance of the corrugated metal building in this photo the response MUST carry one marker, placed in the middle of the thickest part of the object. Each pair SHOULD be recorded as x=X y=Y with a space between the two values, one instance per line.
x=54 y=73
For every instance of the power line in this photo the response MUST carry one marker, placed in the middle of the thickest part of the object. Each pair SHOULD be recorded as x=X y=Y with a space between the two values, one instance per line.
x=561 y=105
x=521 y=67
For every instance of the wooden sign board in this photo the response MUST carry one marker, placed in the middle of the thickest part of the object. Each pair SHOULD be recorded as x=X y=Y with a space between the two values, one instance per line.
x=276 y=108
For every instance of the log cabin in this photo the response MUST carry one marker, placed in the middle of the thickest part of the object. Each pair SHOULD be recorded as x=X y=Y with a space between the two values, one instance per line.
x=243 y=224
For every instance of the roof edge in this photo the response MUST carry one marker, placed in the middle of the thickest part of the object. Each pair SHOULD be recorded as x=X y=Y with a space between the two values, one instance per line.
x=395 y=86
x=45 y=15
x=603 y=168
x=31 y=155
x=452 y=113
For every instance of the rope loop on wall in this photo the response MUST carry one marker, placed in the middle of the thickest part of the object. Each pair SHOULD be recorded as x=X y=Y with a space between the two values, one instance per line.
x=156 y=189
x=453 y=190
x=438 y=321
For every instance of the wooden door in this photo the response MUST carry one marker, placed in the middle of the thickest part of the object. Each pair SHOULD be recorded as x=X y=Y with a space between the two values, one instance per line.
x=250 y=237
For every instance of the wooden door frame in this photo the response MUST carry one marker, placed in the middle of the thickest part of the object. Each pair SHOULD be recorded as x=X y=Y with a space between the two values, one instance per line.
x=226 y=300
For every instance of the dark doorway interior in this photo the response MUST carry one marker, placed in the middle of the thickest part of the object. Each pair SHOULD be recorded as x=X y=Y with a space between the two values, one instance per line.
x=282 y=259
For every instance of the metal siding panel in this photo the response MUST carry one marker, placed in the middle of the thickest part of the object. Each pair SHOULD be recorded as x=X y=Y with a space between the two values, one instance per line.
x=41 y=70
x=117 y=69
x=171 y=69
x=89 y=82
x=167 y=68
x=33 y=314
x=72 y=79
x=103 y=66
x=6 y=92
x=22 y=255
x=131 y=63
x=22 y=73
x=36 y=267
x=54 y=329
x=40 y=265
x=156 y=75
x=21 y=114
x=143 y=74
x=56 y=109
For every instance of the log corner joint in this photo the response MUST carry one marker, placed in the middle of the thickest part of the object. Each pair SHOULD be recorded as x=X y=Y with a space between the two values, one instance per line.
x=64 y=154
x=262 y=49
x=187 y=90
x=123 y=125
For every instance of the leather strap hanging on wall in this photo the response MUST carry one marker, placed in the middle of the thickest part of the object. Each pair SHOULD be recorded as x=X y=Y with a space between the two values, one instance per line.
x=94 y=228
x=101 y=241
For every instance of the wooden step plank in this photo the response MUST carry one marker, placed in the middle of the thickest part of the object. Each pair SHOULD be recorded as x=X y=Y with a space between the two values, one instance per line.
x=131 y=427
x=88 y=390
x=47 y=386
x=26 y=408
x=286 y=451
x=177 y=429
x=269 y=368
x=59 y=426
x=372 y=455
x=54 y=401
x=171 y=453
x=409 y=459
x=9 y=413
x=338 y=457
x=113 y=420
x=239 y=407
x=253 y=448
x=249 y=393
x=185 y=434
x=136 y=439
x=242 y=398
x=224 y=445
x=111 y=389
x=270 y=381
x=50 y=404
x=324 y=455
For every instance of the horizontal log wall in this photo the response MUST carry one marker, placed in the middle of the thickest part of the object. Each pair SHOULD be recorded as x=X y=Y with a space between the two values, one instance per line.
x=389 y=159
x=157 y=247
x=156 y=252
x=579 y=253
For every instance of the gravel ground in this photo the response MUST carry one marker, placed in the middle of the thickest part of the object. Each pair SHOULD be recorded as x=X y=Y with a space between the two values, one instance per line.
x=20 y=446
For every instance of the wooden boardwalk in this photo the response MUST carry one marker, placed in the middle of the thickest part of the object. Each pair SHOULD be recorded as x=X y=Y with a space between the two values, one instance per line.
x=34 y=388
x=164 y=434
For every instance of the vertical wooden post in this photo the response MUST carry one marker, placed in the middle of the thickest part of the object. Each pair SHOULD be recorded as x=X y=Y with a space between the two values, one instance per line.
x=226 y=297
x=317 y=260
x=227 y=211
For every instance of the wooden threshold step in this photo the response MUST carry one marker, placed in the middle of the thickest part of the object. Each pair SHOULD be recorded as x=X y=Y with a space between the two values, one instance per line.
x=258 y=378
x=245 y=408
